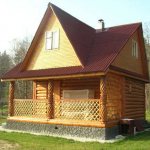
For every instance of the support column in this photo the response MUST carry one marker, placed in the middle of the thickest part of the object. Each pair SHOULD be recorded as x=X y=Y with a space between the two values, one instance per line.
x=50 y=108
x=34 y=90
x=11 y=98
x=103 y=101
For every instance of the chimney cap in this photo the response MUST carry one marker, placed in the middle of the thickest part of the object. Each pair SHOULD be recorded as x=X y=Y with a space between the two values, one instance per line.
x=101 y=20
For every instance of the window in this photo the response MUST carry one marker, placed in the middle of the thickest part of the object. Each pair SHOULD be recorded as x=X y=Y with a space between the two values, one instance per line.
x=77 y=94
x=134 y=48
x=48 y=44
x=51 y=40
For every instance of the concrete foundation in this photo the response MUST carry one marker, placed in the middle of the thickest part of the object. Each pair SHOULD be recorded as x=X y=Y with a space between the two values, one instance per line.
x=64 y=131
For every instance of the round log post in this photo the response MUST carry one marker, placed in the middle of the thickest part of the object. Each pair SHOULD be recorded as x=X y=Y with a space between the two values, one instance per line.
x=11 y=98
x=50 y=108
x=103 y=101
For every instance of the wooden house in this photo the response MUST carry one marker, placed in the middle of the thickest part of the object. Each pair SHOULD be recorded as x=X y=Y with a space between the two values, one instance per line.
x=84 y=79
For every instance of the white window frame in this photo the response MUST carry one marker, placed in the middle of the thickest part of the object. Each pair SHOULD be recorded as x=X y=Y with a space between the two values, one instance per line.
x=51 y=40
x=135 y=49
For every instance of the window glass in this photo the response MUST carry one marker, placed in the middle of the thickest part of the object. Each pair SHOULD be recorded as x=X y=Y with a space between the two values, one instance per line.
x=48 y=40
x=52 y=40
x=134 y=48
x=55 y=39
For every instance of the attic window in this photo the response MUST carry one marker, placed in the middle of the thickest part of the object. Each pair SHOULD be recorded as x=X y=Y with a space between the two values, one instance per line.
x=134 y=49
x=51 y=40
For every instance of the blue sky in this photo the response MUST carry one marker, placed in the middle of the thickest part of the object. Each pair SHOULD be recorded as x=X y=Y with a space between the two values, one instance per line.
x=20 y=18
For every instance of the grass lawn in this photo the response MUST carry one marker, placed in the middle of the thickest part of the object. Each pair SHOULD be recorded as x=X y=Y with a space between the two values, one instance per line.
x=33 y=142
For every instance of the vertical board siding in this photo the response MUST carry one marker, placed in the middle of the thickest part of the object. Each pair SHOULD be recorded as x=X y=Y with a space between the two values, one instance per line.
x=80 y=84
x=134 y=105
x=114 y=89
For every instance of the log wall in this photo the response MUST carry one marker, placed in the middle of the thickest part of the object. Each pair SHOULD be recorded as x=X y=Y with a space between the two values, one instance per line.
x=40 y=91
x=134 y=99
x=114 y=85
x=80 y=84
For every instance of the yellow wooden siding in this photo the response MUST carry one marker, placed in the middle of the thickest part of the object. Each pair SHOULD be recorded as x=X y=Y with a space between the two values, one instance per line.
x=62 y=57
x=126 y=61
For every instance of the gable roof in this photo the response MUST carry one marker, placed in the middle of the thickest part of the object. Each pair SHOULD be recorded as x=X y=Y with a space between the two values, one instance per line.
x=75 y=30
x=80 y=34
x=95 y=49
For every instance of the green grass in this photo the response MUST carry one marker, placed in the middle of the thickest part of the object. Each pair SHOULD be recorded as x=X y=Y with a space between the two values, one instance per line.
x=33 y=142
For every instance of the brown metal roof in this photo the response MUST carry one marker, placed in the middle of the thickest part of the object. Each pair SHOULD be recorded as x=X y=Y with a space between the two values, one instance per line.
x=96 y=49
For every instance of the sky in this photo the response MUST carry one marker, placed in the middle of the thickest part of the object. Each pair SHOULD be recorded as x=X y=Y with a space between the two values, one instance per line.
x=21 y=18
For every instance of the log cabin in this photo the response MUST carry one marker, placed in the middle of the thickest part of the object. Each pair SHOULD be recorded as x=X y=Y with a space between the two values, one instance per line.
x=85 y=80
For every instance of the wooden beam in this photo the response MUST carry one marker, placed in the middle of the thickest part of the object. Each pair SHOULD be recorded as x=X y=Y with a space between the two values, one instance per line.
x=50 y=108
x=103 y=98
x=11 y=98
x=34 y=90
x=60 y=77
x=127 y=75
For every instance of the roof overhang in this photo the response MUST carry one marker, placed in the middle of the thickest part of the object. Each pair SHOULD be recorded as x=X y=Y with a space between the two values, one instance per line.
x=129 y=74
x=96 y=74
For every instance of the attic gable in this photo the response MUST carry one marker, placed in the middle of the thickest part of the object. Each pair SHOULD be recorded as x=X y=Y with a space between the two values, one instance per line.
x=64 y=56
x=75 y=31
x=131 y=60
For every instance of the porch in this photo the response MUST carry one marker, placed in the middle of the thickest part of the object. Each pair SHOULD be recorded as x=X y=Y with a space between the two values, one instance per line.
x=101 y=111
x=69 y=112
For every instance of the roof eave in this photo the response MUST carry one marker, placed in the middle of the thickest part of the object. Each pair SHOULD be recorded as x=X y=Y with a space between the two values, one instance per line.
x=81 y=75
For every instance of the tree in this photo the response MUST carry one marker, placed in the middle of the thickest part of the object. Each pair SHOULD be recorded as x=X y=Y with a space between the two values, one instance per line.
x=5 y=65
x=147 y=46
x=19 y=49
x=147 y=33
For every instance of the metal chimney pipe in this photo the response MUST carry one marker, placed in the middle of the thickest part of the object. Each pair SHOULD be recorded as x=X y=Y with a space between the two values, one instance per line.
x=102 y=24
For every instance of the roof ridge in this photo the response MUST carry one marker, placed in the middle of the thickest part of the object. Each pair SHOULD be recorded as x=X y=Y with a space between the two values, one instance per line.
x=122 y=25
x=51 y=5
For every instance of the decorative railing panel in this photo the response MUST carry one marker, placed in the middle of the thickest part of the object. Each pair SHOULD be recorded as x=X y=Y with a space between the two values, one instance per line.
x=77 y=109
x=67 y=109
x=30 y=108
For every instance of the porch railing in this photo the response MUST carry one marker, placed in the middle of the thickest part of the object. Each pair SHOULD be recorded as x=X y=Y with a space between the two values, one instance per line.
x=68 y=109
x=77 y=109
x=30 y=108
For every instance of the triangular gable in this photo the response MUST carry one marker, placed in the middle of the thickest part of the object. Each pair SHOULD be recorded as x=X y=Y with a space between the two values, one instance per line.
x=63 y=56
x=125 y=59
x=79 y=47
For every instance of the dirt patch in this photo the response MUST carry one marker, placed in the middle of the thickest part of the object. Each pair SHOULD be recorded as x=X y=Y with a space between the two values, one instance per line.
x=4 y=145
